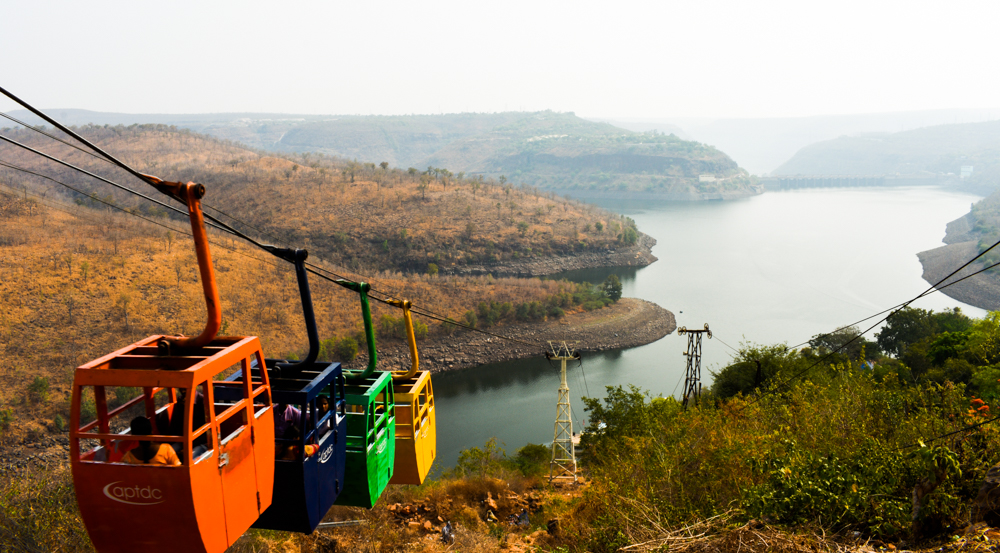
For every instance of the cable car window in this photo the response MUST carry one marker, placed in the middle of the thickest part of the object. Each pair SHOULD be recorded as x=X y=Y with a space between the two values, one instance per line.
x=230 y=406
x=201 y=425
x=90 y=449
x=261 y=395
x=323 y=414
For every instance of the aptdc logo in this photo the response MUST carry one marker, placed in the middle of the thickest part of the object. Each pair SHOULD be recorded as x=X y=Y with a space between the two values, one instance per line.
x=327 y=453
x=133 y=495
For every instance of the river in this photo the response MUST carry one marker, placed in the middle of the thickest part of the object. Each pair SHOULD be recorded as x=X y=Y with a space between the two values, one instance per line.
x=776 y=268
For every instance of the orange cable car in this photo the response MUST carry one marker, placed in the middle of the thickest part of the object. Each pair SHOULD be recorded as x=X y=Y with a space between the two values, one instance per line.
x=202 y=470
x=416 y=426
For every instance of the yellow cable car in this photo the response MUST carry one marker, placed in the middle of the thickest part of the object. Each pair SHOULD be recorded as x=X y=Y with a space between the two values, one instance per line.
x=416 y=427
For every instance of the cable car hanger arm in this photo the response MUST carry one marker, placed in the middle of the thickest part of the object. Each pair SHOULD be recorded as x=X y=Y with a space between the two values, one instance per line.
x=298 y=257
x=410 y=337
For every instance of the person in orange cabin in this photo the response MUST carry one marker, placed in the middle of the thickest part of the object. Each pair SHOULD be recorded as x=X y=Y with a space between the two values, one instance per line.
x=148 y=453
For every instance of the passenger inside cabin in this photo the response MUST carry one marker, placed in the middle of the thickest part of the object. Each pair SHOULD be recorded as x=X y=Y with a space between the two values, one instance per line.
x=293 y=451
x=148 y=453
x=286 y=416
x=322 y=408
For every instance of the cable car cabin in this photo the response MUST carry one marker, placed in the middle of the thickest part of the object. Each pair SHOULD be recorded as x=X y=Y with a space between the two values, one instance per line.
x=416 y=425
x=371 y=444
x=222 y=432
x=310 y=445
x=416 y=429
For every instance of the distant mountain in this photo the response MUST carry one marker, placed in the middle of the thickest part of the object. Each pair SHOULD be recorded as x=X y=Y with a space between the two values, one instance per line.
x=939 y=151
x=761 y=144
x=555 y=151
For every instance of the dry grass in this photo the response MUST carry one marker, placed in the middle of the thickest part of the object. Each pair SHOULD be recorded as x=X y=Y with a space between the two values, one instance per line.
x=78 y=285
x=354 y=215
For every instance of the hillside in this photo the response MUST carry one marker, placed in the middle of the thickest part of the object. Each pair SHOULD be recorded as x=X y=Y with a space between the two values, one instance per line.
x=762 y=144
x=563 y=152
x=77 y=283
x=931 y=153
x=556 y=151
x=362 y=216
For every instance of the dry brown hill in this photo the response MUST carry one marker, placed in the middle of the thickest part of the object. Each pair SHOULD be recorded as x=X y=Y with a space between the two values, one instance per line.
x=363 y=216
x=77 y=283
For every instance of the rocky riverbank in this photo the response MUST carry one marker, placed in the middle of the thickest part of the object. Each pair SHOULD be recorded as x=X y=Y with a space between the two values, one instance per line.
x=962 y=244
x=982 y=290
x=638 y=255
x=630 y=322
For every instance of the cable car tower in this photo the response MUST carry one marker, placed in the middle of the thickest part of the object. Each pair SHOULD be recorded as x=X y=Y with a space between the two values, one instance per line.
x=563 y=463
x=692 y=380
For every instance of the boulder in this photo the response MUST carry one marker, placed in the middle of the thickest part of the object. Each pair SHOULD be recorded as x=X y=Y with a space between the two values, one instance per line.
x=986 y=506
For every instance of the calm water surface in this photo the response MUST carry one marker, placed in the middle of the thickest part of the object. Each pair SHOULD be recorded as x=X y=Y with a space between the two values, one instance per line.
x=780 y=267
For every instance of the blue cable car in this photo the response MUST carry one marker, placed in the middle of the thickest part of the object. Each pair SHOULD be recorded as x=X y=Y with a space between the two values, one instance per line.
x=311 y=427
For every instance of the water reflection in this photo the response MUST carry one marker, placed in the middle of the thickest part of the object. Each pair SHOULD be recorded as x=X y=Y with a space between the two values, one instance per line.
x=596 y=276
x=476 y=380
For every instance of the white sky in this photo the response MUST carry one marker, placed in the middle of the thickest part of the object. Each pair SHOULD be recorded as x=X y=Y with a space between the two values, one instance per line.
x=653 y=59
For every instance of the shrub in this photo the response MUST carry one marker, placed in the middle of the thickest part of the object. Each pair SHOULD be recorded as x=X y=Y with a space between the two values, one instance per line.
x=6 y=419
x=38 y=390
x=533 y=459
x=470 y=318
x=347 y=349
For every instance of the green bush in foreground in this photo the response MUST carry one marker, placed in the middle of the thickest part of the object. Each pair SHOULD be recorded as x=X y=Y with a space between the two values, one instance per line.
x=833 y=453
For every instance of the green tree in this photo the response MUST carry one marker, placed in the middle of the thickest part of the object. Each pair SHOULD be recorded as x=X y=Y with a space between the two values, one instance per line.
x=522 y=228
x=432 y=269
x=754 y=366
x=845 y=341
x=628 y=236
x=906 y=327
x=612 y=287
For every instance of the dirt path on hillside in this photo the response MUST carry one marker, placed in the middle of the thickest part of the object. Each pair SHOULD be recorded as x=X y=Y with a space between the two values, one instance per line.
x=630 y=322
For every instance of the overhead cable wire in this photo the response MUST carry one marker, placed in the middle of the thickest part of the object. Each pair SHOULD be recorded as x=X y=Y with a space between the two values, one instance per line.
x=82 y=140
x=52 y=136
x=584 y=377
x=98 y=177
x=89 y=196
x=852 y=340
x=49 y=203
x=36 y=129
x=928 y=292
x=147 y=179
x=716 y=336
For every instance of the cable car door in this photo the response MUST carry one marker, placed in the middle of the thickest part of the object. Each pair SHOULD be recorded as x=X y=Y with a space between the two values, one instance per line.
x=236 y=460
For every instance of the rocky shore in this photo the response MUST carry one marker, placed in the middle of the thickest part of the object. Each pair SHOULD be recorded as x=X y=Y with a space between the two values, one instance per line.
x=982 y=290
x=962 y=244
x=630 y=322
x=638 y=255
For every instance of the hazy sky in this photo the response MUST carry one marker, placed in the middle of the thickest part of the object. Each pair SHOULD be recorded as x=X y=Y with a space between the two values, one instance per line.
x=654 y=59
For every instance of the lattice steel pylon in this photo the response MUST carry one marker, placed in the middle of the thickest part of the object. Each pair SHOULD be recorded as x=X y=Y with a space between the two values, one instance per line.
x=563 y=463
x=692 y=380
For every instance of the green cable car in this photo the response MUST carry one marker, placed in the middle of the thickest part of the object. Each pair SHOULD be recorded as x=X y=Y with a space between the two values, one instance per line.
x=371 y=422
